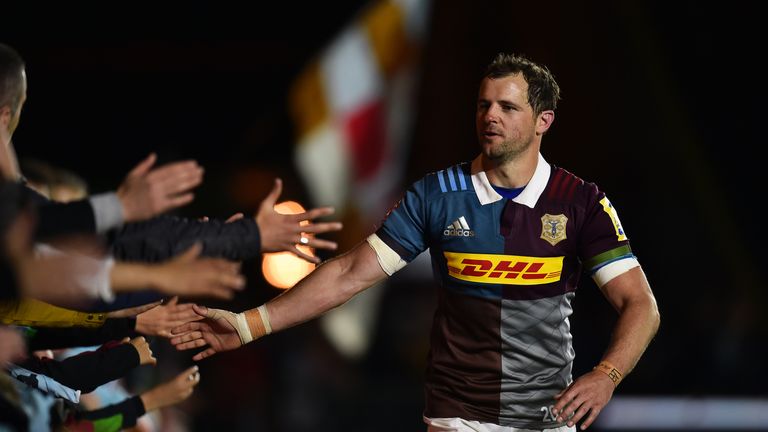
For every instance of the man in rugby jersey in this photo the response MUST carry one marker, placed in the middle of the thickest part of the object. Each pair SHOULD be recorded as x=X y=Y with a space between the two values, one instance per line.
x=509 y=235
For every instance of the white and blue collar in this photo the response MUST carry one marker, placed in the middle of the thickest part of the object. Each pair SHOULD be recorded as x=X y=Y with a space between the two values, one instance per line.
x=528 y=197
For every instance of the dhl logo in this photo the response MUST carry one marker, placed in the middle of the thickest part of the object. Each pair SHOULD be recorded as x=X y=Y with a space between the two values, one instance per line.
x=504 y=269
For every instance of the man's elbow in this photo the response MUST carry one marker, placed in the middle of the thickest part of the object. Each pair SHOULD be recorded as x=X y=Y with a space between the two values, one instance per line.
x=654 y=317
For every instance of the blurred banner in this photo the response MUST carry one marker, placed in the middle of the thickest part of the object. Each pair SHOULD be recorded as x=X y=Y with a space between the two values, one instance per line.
x=352 y=107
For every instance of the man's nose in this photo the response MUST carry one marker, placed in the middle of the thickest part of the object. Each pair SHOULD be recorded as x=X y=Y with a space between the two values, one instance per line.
x=491 y=115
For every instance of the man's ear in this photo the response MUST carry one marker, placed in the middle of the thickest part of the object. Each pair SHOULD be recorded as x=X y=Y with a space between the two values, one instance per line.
x=5 y=115
x=544 y=121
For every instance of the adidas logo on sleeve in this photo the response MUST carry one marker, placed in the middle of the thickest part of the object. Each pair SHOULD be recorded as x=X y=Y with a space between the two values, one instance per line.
x=458 y=228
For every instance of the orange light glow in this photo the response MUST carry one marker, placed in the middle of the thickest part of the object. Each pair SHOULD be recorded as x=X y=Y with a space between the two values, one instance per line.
x=283 y=269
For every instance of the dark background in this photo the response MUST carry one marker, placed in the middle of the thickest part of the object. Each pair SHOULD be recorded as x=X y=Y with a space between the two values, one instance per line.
x=660 y=109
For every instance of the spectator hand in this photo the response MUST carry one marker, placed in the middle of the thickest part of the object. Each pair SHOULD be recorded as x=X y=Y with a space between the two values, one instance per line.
x=160 y=319
x=216 y=331
x=190 y=275
x=171 y=392
x=281 y=232
x=148 y=192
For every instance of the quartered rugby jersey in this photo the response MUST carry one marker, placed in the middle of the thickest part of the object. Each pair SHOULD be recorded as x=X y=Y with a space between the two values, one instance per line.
x=507 y=269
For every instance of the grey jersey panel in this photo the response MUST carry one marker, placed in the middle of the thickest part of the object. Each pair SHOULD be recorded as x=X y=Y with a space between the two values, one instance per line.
x=536 y=358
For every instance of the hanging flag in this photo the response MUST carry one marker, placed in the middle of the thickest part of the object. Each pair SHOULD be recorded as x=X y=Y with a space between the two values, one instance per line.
x=352 y=107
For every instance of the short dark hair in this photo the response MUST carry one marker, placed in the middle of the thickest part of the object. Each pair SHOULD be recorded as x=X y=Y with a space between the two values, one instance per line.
x=11 y=77
x=543 y=91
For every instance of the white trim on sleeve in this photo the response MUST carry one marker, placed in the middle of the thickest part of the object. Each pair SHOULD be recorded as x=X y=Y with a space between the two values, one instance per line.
x=609 y=271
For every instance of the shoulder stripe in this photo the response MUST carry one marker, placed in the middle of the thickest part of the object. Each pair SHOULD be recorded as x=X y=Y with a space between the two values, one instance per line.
x=555 y=184
x=451 y=179
x=572 y=188
x=566 y=184
x=452 y=184
x=563 y=185
x=442 y=181
x=462 y=181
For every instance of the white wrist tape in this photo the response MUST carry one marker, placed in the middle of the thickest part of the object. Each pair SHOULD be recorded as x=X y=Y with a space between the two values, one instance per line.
x=265 y=318
x=237 y=321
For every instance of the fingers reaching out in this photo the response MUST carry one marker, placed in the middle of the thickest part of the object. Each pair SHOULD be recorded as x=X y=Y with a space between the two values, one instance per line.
x=283 y=232
x=191 y=275
x=133 y=311
x=160 y=320
x=173 y=391
x=215 y=331
x=147 y=192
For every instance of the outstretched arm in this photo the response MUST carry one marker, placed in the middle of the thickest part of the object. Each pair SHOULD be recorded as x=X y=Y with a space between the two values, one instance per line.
x=630 y=294
x=330 y=285
x=123 y=415
x=171 y=392
x=187 y=274
x=238 y=238
x=147 y=191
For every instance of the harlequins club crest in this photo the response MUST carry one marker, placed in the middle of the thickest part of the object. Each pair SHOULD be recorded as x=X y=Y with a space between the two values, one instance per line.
x=553 y=228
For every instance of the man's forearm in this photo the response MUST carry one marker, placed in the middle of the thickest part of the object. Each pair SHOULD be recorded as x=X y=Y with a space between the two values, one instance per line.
x=328 y=286
x=634 y=330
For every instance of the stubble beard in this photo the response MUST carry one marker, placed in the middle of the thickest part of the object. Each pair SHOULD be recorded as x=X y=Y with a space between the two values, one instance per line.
x=507 y=151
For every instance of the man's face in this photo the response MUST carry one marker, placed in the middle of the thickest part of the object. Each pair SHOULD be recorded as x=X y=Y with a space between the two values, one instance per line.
x=505 y=123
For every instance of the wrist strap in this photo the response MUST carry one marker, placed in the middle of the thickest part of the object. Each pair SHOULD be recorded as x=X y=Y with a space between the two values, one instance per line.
x=258 y=321
x=265 y=318
x=610 y=370
x=238 y=321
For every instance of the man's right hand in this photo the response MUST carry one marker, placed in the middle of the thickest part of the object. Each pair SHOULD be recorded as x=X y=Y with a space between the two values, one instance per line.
x=218 y=331
x=148 y=192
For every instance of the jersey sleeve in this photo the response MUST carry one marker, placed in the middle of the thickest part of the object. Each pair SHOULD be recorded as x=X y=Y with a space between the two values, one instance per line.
x=402 y=235
x=604 y=247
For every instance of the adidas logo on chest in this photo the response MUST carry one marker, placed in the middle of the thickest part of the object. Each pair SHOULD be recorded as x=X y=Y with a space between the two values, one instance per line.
x=458 y=228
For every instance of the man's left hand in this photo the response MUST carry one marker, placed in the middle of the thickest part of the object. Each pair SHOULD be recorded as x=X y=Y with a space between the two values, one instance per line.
x=588 y=394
